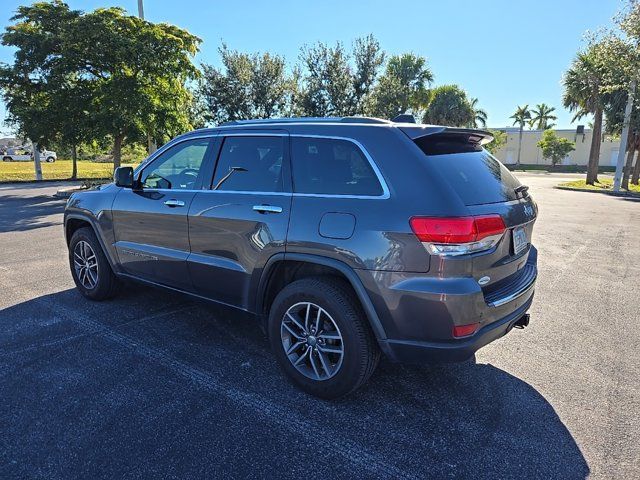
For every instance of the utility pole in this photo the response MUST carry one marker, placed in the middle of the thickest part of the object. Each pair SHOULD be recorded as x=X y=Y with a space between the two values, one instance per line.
x=617 y=179
x=151 y=143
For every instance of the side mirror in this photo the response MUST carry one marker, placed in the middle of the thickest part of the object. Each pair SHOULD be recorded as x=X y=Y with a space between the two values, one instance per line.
x=123 y=177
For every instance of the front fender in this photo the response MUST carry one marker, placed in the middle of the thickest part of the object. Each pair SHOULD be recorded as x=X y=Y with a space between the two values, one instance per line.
x=94 y=208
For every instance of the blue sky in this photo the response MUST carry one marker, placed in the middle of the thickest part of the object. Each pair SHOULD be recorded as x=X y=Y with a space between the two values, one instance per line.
x=504 y=52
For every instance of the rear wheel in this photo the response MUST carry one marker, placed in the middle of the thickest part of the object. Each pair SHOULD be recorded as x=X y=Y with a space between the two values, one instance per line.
x=321 y=338
x=50 y=159
x=90 y=268
x=6 y=159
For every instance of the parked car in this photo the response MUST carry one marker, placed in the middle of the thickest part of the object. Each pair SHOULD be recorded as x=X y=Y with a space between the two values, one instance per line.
x=347 y=238
x=23 y=154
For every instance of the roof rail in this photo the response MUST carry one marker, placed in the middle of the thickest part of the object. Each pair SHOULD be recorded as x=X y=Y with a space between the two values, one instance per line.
x=263 y=121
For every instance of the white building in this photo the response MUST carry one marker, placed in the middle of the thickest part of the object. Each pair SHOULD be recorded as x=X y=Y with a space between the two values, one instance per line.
x=532 y=154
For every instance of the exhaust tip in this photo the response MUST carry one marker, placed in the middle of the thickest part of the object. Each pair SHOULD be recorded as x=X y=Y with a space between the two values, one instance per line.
x=522 y=322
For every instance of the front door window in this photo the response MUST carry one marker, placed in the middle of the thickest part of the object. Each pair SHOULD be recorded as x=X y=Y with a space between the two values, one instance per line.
x=178 y=168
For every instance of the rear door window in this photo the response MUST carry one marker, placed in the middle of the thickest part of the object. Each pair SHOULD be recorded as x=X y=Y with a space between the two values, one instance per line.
x=476 y=175
x=332 y=167
x=250 y=164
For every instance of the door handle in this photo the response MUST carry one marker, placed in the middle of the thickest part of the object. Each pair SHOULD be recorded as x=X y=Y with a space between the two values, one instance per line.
x=174 y=203
x=267 y=209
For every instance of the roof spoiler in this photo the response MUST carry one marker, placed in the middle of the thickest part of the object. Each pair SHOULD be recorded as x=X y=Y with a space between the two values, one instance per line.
x=470 y=135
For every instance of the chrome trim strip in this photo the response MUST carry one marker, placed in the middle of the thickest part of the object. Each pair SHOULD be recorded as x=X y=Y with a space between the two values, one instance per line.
x=215 y=261
x=240 y=192
x=385 y=188
x=514 y=295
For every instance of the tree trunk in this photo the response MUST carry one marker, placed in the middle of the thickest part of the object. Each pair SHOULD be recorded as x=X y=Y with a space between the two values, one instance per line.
x=594 y=153
x=626 y=172
x=635 y=178
x=151 y=144
x=519 y=146
x=117 y=150
x=74 y=159
x=36 y=161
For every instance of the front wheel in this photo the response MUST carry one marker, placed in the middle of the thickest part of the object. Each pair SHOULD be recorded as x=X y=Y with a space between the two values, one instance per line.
x=50 y=160
x=321 y=338
x=6 y=159
x=90 y=268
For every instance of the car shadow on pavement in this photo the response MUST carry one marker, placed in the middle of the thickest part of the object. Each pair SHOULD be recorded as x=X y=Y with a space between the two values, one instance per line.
x=27 y=213
x=464 y=420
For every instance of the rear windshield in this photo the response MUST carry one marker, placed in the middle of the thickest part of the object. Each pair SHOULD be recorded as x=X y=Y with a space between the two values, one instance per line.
x=474 y=173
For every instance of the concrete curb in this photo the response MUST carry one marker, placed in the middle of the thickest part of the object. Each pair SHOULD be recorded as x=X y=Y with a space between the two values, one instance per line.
x=605 y=192
x=66 y=192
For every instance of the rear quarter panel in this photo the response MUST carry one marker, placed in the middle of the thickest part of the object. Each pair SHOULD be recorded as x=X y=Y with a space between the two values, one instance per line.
x=382 y=238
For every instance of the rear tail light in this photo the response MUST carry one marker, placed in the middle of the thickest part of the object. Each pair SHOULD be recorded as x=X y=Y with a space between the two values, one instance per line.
x=465 y=330
x=458 y=235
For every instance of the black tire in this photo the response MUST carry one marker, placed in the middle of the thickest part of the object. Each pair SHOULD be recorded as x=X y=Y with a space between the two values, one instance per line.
x=50 y=160
x=107 y=283
x=361 y=352
x=6 y=159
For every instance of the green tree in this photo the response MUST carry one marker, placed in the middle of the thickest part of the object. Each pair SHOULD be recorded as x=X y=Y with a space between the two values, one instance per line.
x=629 y=23
x=521 y=116
x=247 y=86
x=368 y=58
x=78 y=76
x=48 y=100
x=590 y=84
x=139 y=73
x=39 y=38
x=542 y=116
x=403 y=86
x=449 y=105
x=335 y=82
x=479 y=115
x=328 y=85
x=614 y=115
x=555 y=148
x=499 y=141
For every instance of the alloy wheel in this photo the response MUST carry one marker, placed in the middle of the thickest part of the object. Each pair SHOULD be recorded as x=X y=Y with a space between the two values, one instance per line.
x=85 y=264
x=312 y=341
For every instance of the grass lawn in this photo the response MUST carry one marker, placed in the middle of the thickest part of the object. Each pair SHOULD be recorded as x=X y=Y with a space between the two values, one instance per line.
x=604 y=185
x=58 y=170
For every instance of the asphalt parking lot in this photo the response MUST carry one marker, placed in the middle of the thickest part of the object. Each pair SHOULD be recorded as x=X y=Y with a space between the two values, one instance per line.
x=156 y=385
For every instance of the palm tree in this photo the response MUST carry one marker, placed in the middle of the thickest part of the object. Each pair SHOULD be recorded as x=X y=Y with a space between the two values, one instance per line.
x=479 y=115
x=583 y=94
x=520 y=118
x=541 y=116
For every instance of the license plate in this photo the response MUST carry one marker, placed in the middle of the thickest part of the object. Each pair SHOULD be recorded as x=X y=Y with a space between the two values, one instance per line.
x=520 y=241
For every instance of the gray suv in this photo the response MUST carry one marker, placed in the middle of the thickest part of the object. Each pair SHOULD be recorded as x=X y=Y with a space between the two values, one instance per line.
x=347 y=238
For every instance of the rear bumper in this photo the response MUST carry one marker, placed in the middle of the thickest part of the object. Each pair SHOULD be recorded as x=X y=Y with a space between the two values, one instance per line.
x=418 y=312
x=407 y=351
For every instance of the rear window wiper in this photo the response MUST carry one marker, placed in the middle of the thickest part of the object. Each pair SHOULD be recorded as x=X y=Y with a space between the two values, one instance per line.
x=521 y=189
